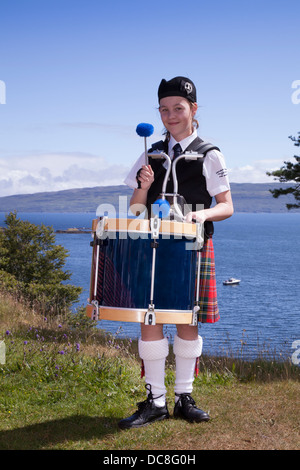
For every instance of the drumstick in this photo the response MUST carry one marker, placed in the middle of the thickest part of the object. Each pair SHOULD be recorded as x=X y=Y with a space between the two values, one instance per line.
x=145 y=130
x=161 y=208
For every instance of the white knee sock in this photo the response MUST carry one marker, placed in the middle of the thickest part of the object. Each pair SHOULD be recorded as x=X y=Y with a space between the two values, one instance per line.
x=154 y=355
x=186 y=353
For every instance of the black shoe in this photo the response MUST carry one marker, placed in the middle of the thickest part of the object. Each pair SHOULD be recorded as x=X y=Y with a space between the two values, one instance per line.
x=185 y=408
x=146 y=413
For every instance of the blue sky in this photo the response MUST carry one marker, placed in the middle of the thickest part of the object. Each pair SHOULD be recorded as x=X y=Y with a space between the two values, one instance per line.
x=80 y=75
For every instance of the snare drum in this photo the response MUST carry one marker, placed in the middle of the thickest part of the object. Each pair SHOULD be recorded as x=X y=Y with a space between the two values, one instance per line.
x=123 y=280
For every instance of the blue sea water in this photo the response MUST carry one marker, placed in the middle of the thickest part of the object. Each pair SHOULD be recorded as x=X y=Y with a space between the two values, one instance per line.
x=259 y=317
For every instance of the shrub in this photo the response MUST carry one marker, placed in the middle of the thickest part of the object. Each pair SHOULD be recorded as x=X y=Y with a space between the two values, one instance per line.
x=31 y=265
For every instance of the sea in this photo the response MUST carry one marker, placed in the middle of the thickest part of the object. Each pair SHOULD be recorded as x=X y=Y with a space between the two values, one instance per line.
x=259 y=318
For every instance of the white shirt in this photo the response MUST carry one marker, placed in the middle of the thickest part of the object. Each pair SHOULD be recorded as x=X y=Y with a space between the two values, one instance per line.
x=214 y=168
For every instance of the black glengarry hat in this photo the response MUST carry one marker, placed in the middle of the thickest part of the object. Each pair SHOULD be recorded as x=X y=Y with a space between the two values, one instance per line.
x=178 y=86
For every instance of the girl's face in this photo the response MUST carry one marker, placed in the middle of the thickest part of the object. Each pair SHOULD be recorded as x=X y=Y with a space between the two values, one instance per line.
x=177 y=116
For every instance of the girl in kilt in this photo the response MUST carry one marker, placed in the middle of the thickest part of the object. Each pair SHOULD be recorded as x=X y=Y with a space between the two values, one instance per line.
x=177 y=107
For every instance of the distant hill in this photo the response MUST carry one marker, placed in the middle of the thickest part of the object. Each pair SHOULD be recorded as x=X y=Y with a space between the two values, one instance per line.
x=256 y=197
x=247 y=197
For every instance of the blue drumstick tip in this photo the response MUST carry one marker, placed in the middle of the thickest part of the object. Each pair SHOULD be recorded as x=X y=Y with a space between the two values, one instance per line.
x=144 y=130
x=161 y=208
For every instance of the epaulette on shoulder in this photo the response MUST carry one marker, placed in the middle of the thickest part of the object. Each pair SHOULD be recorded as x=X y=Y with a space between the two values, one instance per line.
x=205 y=147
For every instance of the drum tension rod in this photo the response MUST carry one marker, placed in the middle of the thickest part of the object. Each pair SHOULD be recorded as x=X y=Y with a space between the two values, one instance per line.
x=150 y=316
x=154 y=227
x=195 y=318
x=95 y=312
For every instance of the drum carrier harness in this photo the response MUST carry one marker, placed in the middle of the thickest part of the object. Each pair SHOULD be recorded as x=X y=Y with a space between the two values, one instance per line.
x=187 y=176
x=193 y=188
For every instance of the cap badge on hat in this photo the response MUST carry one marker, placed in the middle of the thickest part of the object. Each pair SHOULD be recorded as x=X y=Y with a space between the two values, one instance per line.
x=188 y=87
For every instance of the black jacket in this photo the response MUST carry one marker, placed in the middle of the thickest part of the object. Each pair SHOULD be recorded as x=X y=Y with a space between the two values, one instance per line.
x=191 y=181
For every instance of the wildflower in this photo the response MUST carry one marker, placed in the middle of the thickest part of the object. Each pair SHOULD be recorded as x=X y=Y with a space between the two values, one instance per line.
x=7 y=332
x=25 y=342
x=61 y=352
x=59 y=326
x=77 y=346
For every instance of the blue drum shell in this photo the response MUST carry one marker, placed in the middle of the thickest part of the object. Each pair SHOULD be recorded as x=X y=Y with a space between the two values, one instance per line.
x=124 y=273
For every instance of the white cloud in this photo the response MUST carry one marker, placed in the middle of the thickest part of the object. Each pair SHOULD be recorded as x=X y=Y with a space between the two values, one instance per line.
x=59 y=171
x=55 y=172
x=256 y=172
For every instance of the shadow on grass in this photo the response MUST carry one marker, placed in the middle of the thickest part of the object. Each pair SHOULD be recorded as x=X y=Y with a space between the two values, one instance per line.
x=51 y=433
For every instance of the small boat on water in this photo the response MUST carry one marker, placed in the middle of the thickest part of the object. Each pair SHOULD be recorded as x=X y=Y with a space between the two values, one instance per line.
x=231 y=281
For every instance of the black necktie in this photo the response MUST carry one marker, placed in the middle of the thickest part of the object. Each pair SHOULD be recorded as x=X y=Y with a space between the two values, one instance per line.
x=177 y=151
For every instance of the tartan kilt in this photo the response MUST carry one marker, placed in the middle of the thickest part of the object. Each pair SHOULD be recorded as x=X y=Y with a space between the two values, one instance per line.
x=208 y=303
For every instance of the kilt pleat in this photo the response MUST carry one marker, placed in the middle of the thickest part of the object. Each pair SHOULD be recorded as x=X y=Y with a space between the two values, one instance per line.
x=208 y=302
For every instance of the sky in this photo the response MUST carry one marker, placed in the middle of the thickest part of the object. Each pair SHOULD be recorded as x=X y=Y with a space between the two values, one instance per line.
x=78 y=76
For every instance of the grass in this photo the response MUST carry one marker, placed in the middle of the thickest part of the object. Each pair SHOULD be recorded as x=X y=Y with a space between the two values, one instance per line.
x=65 y=386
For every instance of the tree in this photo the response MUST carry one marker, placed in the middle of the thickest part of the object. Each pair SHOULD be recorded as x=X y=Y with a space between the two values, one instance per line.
x=32 y=264
x=287 y=173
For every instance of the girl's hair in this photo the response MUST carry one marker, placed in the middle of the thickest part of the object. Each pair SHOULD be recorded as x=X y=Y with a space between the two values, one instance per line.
x=195 y=124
